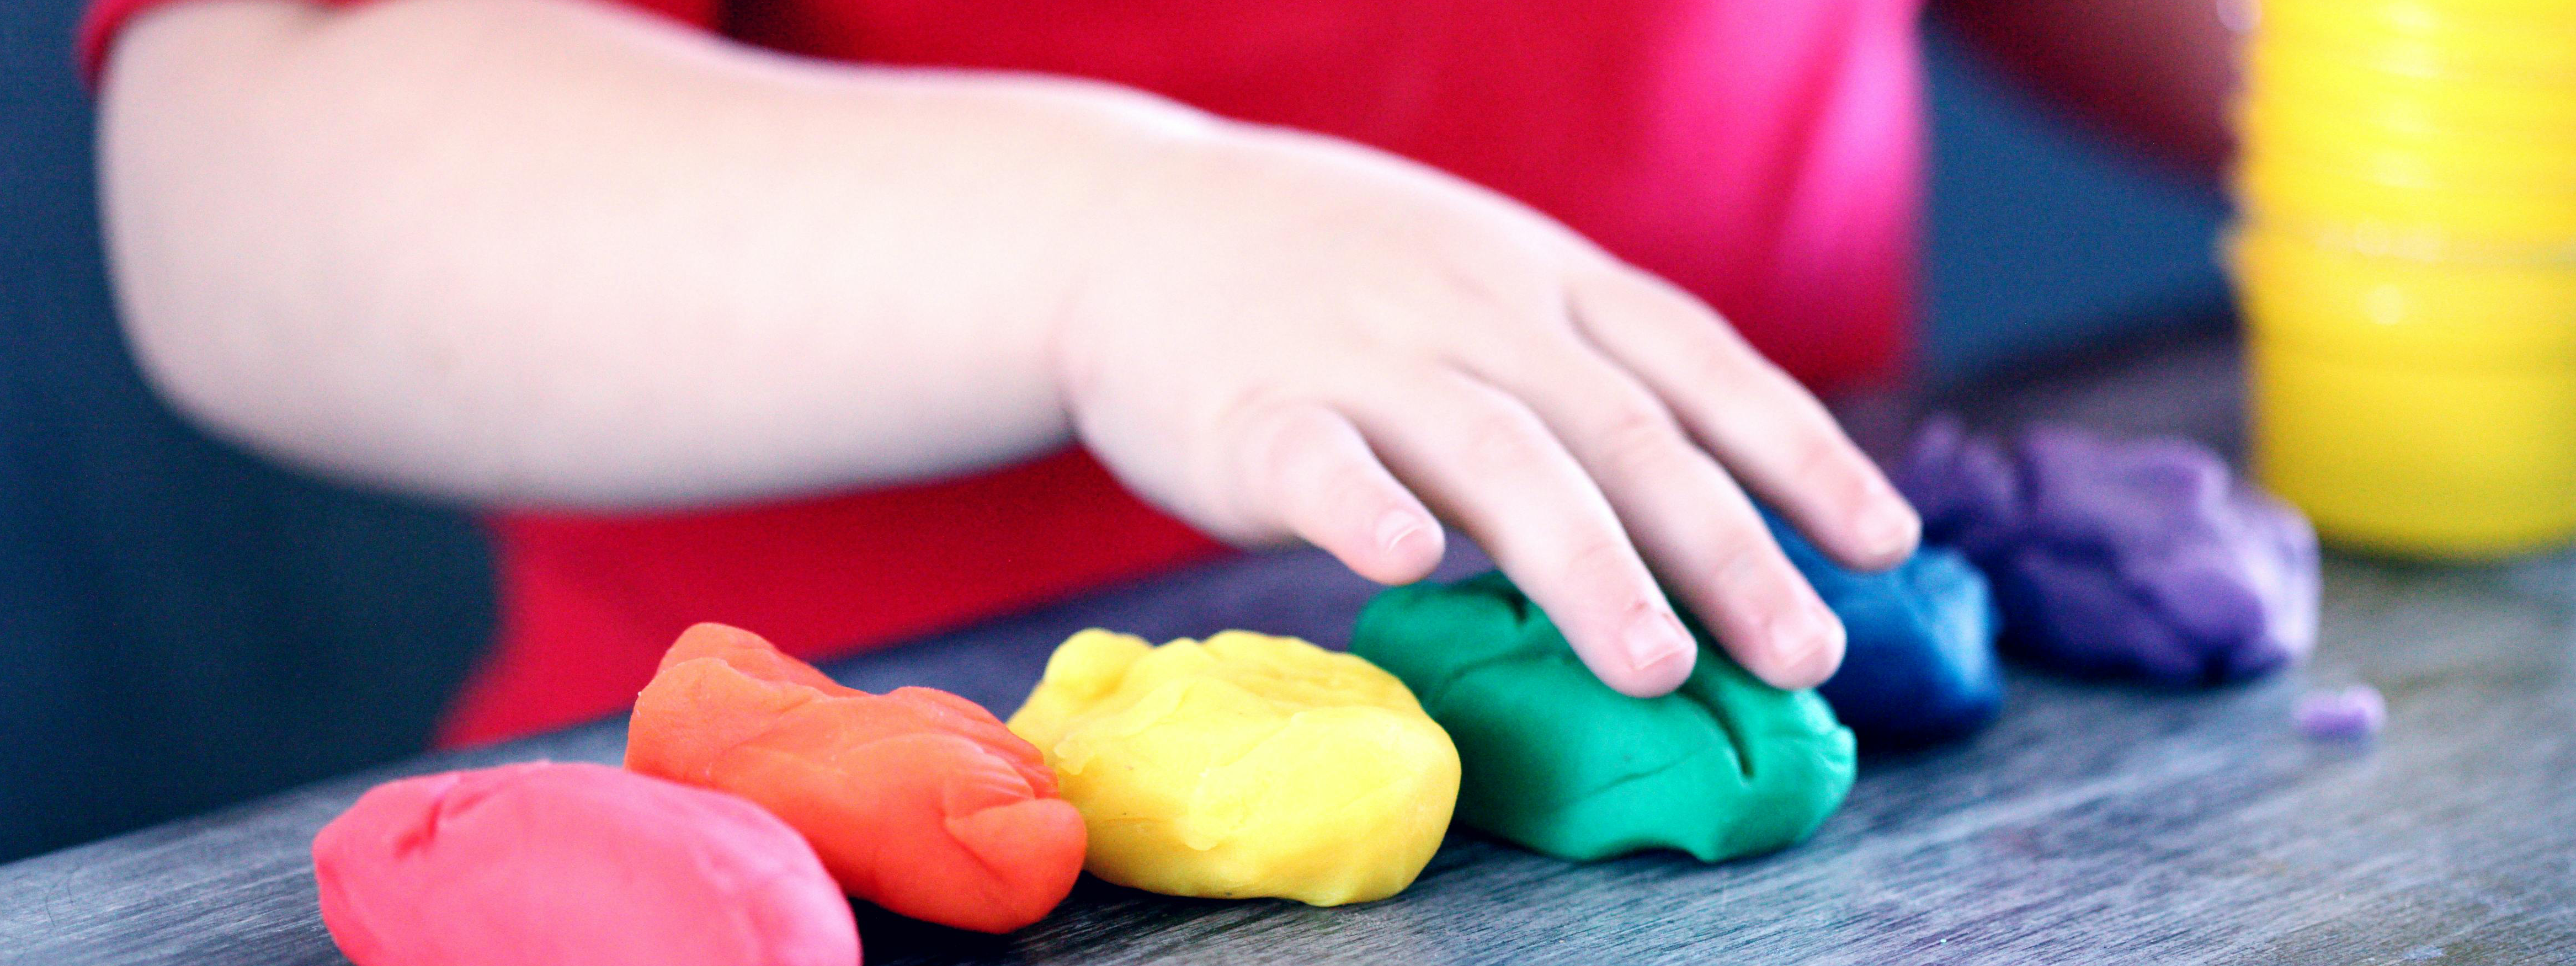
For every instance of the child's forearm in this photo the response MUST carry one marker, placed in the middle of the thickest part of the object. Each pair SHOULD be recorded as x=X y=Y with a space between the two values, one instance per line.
x=531 y=250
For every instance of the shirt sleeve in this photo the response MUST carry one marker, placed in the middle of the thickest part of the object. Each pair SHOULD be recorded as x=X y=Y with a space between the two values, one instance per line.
x=106 y=18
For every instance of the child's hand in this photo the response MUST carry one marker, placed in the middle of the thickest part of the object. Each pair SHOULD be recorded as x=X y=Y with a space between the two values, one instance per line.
x=1279 y=335
x=646 y=267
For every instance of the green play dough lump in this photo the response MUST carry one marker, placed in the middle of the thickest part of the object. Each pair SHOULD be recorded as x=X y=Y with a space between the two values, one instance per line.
x=1556 y=761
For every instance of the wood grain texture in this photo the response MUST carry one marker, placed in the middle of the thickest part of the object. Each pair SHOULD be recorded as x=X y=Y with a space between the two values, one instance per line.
x=2094 y=823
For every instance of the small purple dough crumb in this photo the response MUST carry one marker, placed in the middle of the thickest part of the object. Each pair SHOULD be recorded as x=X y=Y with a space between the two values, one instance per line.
x=2354 y=712
x=2139 y=558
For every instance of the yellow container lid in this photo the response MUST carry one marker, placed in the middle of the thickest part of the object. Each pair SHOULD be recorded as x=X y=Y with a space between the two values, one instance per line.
x=2402 y=311
x=2521 y=39
x=2495 y=221
x=2313 y=79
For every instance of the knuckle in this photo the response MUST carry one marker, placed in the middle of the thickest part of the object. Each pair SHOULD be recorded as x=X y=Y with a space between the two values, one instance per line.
x=1800 y=408
x=1636 y=438
x=1353 y=492
x=1506 y=439
x=1517 y=317
x=1817 y=462
x=1743 y=557
x=1601 y=567
x=1250 y=475
x=1720 y=357
x=1271 y=435
x=1717 y=362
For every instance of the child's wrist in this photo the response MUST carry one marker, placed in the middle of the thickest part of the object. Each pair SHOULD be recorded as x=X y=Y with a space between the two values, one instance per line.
x=1153 y=191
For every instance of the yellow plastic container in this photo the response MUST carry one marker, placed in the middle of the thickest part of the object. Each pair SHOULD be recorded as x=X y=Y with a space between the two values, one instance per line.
x=2303 y=101
x=2371 y=17
x=2406 y=266
x=2487 y=159
x=2486 y=220
x=2331 y=89
x=2417 y=11
x=2423 y=408
x=2515 y=39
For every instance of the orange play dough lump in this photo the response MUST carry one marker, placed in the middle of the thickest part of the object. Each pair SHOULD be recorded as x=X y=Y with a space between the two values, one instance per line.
x=917 y=800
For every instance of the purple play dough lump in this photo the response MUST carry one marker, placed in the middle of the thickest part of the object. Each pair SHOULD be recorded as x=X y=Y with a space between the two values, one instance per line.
x=2354 y=712
x=2137 y=558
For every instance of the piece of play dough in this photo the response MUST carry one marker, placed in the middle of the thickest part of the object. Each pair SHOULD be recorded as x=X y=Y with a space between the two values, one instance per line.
x=2133 y=557
x=2352 y=713
x=1920 y=666
x=917 y=800
x=1558 y=762
x=550 y=864
x=1246 y=766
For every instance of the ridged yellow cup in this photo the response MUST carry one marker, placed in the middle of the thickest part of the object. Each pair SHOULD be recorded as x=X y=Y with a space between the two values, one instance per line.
x=2502 y=38
x=2413 y=407
x=2317 y=84
x=2485 y=221
x=2406 y=266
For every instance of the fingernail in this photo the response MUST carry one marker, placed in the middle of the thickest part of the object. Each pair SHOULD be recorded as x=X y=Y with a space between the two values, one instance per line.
x=1801 y=636
x=1655 y=637
x=1395 y=526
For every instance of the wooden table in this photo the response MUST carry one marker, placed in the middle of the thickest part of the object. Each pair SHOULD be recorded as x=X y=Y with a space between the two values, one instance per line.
x=2095 y=823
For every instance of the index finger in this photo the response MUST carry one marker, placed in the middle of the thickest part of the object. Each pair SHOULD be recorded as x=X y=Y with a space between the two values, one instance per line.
x=1768 y=430
x=1494 y=468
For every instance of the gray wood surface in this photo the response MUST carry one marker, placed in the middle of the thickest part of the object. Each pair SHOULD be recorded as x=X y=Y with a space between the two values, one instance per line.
x=2094 y=823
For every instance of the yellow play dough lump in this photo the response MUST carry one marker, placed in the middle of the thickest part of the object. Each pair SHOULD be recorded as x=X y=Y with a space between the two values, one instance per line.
x=1245 y=766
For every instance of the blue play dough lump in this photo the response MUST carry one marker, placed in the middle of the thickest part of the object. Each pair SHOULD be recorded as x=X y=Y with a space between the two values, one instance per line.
x=1921 y=665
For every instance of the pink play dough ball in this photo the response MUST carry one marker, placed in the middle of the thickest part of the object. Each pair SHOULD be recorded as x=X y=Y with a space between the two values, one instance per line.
x=561 y=864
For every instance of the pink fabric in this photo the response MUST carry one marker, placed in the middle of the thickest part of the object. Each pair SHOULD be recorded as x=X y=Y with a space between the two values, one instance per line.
x=1764 y=154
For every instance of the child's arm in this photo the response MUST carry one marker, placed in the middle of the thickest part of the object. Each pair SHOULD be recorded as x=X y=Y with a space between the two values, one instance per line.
x=527 y=250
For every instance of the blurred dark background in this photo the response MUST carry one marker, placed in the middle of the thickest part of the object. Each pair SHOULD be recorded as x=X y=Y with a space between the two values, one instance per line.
x=182 y=625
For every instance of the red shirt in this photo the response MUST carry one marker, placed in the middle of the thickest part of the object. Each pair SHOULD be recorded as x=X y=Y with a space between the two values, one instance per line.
x=1760 y=153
